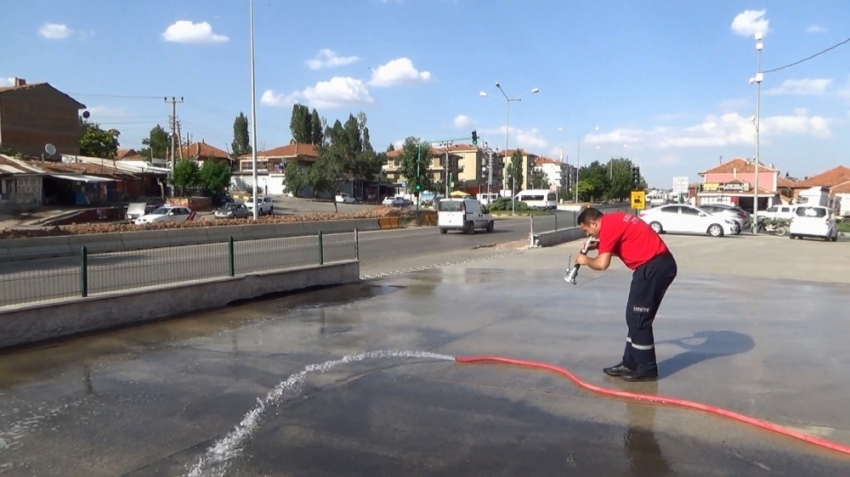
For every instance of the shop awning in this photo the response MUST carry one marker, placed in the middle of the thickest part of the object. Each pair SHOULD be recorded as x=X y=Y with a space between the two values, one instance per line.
x=82 y=178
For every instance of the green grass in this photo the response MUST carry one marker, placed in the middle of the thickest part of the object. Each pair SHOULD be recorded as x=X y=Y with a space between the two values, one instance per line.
x=844 y=226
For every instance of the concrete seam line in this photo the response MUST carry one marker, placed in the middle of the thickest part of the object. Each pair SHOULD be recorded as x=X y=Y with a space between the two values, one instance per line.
x=441 y=265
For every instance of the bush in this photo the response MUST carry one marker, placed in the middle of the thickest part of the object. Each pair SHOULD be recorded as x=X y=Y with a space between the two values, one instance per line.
x=503 y=204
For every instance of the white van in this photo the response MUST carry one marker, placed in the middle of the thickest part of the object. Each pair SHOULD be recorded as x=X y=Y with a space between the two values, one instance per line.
x=463 y=214
x=487 y=199
x=813 y=221
x=539 y=198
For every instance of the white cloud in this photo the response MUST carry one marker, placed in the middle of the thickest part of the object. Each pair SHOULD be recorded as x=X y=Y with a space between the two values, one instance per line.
x=717 y=131
x=185 y=31
x=530 y=139
x=328 y=59
x=668 y=159
x=463 y=122
x=398 y=71
x=801 y=87
x=7 y=81
x=55 y=31
x=398 y=144
x=816 y=29
x=749 y=22
x=339 y=91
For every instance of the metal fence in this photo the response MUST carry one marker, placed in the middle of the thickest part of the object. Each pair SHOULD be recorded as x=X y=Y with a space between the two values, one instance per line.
x=91 y=274
x=557 y=220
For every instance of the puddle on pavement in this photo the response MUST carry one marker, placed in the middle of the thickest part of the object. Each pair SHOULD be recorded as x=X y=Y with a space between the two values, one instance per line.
x=26 y=364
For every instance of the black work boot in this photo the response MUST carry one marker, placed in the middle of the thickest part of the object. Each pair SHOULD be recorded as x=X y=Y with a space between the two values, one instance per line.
x=618 y=370
x=640 y=375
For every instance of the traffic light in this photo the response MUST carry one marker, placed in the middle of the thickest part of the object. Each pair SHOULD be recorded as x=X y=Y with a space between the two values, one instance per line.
x=636 y=177
x=474 y=138
x=418 y=187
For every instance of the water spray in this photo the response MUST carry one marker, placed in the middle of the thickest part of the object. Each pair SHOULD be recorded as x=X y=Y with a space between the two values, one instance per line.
x=572 y=273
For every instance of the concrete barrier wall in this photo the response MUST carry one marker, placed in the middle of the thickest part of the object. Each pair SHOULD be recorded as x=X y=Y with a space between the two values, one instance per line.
x=33 y=323
x=548 y=239
x=48 y=247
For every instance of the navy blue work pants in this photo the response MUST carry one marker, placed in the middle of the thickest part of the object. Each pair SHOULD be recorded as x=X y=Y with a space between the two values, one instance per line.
x=649 y=284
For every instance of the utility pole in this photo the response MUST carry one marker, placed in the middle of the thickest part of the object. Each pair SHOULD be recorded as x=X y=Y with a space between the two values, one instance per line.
x=173 y=124
x=179 y=140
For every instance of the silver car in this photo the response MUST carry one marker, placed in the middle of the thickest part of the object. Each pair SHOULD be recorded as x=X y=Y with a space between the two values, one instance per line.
x=232 y=210
x=732 y=212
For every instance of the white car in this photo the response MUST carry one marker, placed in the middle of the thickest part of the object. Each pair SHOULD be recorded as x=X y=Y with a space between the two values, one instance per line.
x=813 y=221
x=166 y=213
x=463 y=214
x=396 y=201
x=741 y=218
x=266 y=205
x=779 y=212
x=345 y=198
x=687 y=219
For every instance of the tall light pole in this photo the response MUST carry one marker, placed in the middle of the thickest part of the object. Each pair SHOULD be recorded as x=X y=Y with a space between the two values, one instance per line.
x=507 y=134
x=578 y=158
x=757 y=80
x=253 y=118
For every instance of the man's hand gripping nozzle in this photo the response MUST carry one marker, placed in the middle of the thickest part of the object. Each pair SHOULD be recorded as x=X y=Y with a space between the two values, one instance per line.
x=572 y=273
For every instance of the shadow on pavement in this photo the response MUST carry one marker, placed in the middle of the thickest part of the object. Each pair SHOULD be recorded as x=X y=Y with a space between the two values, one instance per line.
x=714 y=344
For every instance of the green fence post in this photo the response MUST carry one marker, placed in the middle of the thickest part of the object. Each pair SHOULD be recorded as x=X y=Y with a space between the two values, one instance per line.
x=356 y=244
x=84 y=272
x=321 y=250
x=231 y=259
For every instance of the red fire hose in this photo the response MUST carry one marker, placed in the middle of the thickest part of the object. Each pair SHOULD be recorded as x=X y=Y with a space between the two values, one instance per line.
x=655 y=399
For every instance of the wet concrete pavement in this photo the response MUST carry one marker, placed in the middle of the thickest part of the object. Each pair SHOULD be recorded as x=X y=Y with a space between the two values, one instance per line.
x=152 y=400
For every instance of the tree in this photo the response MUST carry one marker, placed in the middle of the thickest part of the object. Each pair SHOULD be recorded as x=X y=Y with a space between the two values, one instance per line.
x=97 y=142
x=515 y=175
x=317 y=126
x=215 y=175
x=296 y=179
x=593 y=181
x=344 y=155
x=414 y=163
x=241 y=144
x=300 y=125
x=156 y=144
x=539 y=179
x=187 y=175
x=390 y=148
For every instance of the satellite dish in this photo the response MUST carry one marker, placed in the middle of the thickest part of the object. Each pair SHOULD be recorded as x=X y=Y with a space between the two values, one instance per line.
x=50 y=149
x=86 y=114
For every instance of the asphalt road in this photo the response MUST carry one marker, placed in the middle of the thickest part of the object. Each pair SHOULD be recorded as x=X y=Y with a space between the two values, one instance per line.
x=36 y=280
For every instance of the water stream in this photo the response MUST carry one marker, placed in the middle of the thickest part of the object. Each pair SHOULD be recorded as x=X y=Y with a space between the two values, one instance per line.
x=215 y=460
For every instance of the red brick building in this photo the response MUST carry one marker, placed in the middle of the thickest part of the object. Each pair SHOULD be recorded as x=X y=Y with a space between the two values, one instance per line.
x=33 y=115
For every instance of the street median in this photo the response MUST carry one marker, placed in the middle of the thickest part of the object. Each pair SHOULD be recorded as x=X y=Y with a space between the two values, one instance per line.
x=557 y=237
x=389 y=223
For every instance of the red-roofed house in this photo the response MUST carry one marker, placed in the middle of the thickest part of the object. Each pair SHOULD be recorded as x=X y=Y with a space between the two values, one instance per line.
x=829 y=179
x=271 y=165
x=201 y=151
x=733 y=182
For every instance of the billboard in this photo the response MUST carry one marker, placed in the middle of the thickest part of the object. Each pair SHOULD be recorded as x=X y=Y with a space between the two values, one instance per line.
x=680 y=184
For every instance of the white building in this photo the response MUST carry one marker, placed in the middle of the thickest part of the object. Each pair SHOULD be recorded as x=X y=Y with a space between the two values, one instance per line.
x=555 y=170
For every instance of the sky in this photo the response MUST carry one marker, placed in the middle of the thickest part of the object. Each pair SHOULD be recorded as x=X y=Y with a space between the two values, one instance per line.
x=666 y=84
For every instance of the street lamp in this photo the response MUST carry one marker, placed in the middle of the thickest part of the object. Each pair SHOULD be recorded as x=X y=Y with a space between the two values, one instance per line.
x=507 y=133
x=253 y=118
x=578 y=158
x=757 y=80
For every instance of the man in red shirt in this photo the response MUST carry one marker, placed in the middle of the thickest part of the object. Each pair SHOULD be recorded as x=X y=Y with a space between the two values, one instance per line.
x=654 y=269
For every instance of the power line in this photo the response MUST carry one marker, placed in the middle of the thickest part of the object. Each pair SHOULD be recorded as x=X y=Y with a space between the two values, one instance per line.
x=808 y=58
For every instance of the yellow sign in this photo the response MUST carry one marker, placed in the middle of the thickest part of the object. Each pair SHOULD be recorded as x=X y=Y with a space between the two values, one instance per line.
x=638 y=199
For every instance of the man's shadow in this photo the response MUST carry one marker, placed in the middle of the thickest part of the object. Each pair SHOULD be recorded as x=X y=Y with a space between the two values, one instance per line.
x=702 y=346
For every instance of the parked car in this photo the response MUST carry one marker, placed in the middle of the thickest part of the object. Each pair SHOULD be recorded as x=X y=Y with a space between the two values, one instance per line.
x=687 y=219
x=736 y=214
x=167 y=213
x=779 y=212
x=463 y=214
x=266 y=205
x=232 y=210
x=813 y=221
x=138 y=209
x=345 y=198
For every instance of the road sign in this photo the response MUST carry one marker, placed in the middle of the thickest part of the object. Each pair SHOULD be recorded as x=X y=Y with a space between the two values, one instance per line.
x=638 y=199
x=680 y=185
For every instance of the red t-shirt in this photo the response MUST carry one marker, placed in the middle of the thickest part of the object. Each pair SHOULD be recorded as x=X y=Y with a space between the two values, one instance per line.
x=629 y=238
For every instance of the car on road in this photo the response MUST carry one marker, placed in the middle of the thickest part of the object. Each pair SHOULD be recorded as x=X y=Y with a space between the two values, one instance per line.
x=232 y=210
x=138 y=209
x=397 y=201
x=345 y=198
x=463 y=214
x=167 y=213
x=814 y=221
x=734 y=213
x=266 y=205
x=687 y=219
